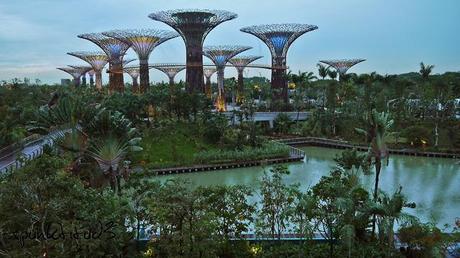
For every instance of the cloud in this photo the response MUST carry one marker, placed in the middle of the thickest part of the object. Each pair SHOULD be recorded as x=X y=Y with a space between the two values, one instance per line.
x=18 y=28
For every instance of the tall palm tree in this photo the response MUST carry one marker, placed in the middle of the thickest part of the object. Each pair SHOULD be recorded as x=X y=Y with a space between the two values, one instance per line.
x=322 y=71
x=379 y=125
x=425 y=70
x=332 y=74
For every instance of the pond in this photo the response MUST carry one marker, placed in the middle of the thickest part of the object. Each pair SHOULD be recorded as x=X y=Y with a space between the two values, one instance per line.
x=432 y=183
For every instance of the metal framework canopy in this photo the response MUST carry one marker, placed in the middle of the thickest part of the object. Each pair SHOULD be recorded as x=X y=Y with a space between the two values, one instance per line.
x=74 y=72
x=193 y=21
x=342 y=65
x=240 y=62
x=114 y=48
x=208 y=72
x=220 y=55
x=132 y=71
x=279 y=37
x=170 y=71
x=82 y=68
x=97 y=60
x=142 y=41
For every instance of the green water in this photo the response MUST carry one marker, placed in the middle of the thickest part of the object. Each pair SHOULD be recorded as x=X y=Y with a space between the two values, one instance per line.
x=432 y=183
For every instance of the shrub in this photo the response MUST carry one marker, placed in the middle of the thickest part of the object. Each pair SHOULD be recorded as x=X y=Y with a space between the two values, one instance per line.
x=417 y=135
x=282 y=124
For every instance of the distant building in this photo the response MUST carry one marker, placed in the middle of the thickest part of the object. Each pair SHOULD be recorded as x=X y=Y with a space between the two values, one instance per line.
x=66 y=82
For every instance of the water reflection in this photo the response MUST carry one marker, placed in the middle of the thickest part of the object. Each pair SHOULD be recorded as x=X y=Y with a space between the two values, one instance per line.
x=432 y=183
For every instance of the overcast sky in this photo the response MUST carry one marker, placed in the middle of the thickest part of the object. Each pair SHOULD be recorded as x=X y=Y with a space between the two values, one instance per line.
x=393 y=35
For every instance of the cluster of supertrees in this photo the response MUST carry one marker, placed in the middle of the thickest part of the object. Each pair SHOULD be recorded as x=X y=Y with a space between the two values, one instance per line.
x=193 y=26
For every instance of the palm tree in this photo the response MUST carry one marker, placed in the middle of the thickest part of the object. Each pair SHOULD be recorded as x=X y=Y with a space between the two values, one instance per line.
x=378 y=125
x=322 y=71
x=332 y=74
x=109 y=153
x=301 y=81
x=425 y=70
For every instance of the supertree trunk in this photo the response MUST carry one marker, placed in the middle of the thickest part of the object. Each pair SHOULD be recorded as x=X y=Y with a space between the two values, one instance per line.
x=279 y=83
x=144 y=75
x=221 y=106
x=76 y=81
x=116 y=83
x=83 y=79
x=240 y=89
x=99 y=80
x=91 y=80
x=194 y=73
x=208 y=90
x=135 y=85
x=171 y=82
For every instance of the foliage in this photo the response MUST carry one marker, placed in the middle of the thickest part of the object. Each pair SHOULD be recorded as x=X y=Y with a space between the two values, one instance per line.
x=282 y=123
x=266 y=151
x=417 y=135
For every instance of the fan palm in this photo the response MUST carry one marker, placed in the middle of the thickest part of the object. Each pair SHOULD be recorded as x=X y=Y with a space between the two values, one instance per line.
x=109 y=153
x=322 y=71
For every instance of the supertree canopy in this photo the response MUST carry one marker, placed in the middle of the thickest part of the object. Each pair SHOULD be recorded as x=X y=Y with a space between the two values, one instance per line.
x=83 y=75
x=143 y=42
x=76 y=73
x=278 y=38
x=170 y=71
x=134 y=73
x=240 y=63
x=220 y=56
x=208 y=72
x=115 y=50
x=97 y=60
x=193 y=25
x=342 y=65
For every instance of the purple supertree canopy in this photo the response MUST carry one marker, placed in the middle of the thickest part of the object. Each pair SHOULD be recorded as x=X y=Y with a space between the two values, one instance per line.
x=97 y=60
x=220 y=55
x=170 y=71
x=240 y=62
x=278 y=37
x=186 y=21
x=142 y=41
x=114 y=48
x=83 y=68
x=342 y=65
x=75 y=73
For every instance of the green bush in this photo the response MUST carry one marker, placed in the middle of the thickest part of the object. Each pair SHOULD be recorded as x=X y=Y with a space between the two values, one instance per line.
x=267 y=151
x=282 y=124
x=416 y=135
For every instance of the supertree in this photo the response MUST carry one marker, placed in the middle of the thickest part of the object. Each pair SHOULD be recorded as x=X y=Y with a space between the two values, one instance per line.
x=240 y=63
x=143 y=42
x=97 y=60
x=278 y=38
x=170 y=71
x=193 y=25
x=91 y=74
x=220 y=56
x=342 y=65
x=83 y=75
x=76 y=73
x=134 y=73
x=208 y=72
x=115 y=50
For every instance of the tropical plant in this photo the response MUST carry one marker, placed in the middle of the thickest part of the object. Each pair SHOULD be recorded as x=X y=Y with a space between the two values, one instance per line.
x=425 y=70
x=322 y=71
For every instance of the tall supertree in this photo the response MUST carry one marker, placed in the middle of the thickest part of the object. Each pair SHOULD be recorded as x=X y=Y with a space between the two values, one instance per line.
x=240 y=63
x=170 y=71
x=91 y=74
x=208 y=72
x=278 y=38
x=342 y=65
x=83 y=75
x=97 y=60
x=193 y=25
x=143 y=42
x=75 y=73
x=220 y=56
x=115 y=50
x=134 y=73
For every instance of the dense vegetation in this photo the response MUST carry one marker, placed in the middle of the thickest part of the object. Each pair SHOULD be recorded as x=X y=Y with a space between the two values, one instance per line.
x=93 y=190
